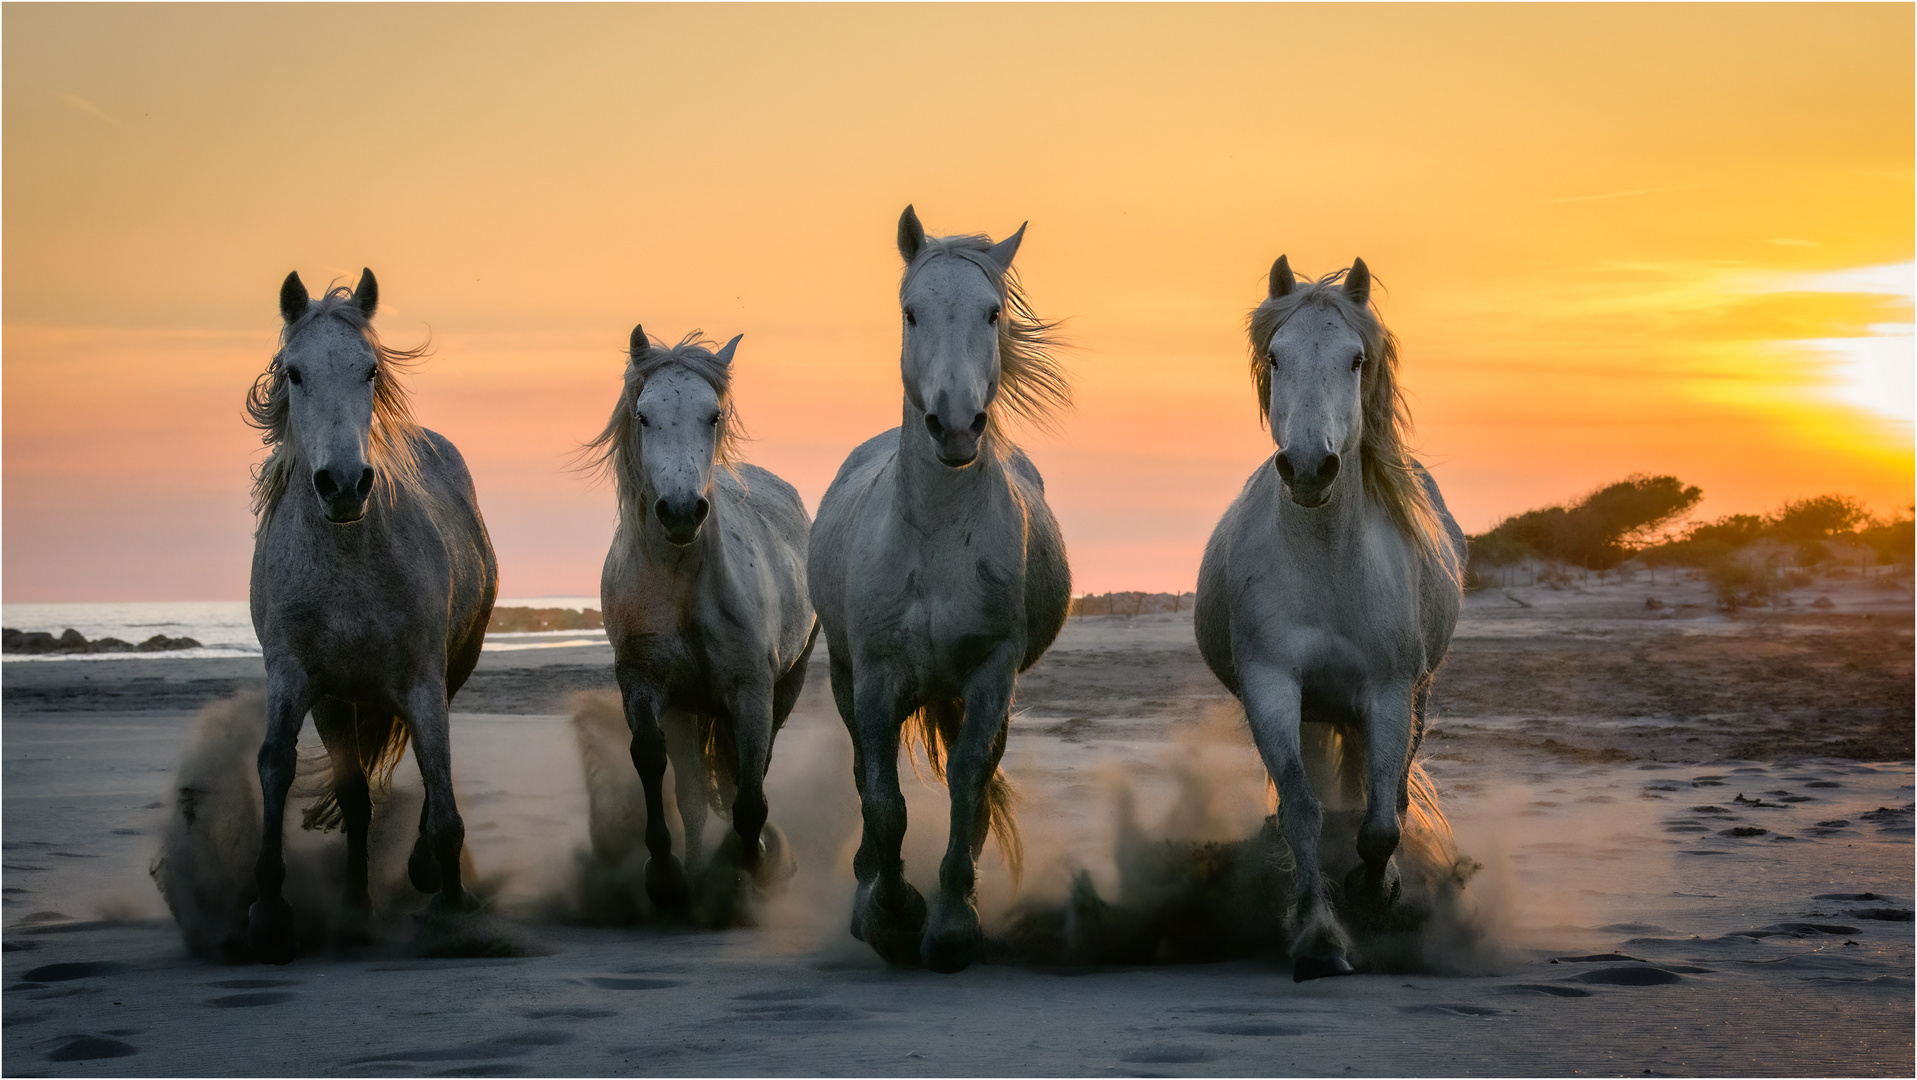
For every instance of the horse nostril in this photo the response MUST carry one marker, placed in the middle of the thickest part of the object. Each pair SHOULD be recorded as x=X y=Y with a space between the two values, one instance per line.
x=662 y=510
x=1285 y=472
x=323 y=483
x=978 y=424
x=700 y=510
x=932 y=425
x=1329 y=469
x=365 y=485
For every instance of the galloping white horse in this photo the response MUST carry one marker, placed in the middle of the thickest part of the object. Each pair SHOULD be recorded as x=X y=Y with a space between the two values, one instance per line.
x=705 y=601
x=939 y=575
x=1330 y=588
x=373 y=581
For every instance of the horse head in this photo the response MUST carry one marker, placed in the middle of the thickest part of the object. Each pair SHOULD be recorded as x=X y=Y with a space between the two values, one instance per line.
x=952 y=301
x=680 y=416
x=1315 y=394
x=331 y=370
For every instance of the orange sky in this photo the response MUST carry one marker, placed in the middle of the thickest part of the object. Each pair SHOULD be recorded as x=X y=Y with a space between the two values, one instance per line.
x=1612 y=239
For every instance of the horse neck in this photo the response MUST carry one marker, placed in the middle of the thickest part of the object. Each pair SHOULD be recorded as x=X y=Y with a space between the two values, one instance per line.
x=1335 y=528
x=934 y=493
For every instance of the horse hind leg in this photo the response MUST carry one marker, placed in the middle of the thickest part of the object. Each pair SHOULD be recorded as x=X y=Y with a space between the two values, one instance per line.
x=339 y=731
x=1273 y=705
x=270 y=932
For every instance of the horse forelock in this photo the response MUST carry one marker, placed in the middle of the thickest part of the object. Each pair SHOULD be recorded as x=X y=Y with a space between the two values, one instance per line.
x=1033 y=383
x=1390 y=477
x=392 y=443
x=616 y=451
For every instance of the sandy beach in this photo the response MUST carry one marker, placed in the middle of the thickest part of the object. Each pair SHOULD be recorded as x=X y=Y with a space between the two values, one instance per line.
x=1694 y=831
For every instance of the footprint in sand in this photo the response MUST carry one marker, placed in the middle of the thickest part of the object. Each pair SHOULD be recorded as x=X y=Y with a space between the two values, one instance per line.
x=90 y=1048
x=628 y=982
x=47 y=973
x=504 y=1046
x=1166 y=1054
x=1629 y=976
x=1254 y=1030
x=1548 y=991
x=249 y=1001
x=1476 y=1012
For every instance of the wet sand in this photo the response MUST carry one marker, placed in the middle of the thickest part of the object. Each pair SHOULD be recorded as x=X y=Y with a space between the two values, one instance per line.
x=1695 y=831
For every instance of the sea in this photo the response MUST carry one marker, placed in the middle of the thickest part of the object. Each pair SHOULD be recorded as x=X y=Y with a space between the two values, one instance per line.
x=224 y=628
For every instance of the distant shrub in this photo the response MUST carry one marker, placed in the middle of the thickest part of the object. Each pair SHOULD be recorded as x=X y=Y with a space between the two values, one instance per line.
x=1598 y=532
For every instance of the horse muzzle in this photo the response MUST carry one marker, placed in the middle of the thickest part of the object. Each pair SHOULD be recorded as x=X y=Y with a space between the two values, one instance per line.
x=1309 y=489
x=681 y=518
x=957 y=447
x=342 y=494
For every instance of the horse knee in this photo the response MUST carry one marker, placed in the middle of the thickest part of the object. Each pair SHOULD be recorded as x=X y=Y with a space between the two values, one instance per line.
x=649 y=757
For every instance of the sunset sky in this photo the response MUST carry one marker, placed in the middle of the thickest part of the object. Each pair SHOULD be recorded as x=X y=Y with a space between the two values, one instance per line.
x=1611 y=239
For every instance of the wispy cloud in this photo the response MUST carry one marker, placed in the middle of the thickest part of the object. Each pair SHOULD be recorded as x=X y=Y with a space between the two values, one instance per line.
x=82 y=104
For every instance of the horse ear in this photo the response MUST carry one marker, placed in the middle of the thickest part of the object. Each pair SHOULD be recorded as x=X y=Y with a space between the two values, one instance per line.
x=639 y=344
x=724 y=354
x=911 y=234
x=1282 y=281
x=366 y=293
x=1358 y=283
x=293 y=298
x=1003 y=251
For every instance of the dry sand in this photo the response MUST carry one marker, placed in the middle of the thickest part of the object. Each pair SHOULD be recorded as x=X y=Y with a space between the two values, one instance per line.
x=1696 y=835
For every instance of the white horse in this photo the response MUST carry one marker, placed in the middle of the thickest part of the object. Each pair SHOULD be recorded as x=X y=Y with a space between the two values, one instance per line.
x=373 y=581
x=705 y=602
x=1328 y=595
x=939 y=575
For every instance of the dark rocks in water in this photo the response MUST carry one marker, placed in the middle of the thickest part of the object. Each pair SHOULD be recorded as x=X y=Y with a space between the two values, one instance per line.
x=524 y=620
x=72 y=641
x=1884 y=914
x=162 y=643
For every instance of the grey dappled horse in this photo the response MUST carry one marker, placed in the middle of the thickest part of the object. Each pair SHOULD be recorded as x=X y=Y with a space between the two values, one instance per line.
x=1330 y=588
x=705 y=601
x=373 y=581
x=939 y=575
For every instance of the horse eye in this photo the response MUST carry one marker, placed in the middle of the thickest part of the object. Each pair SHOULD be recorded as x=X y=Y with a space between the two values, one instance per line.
x=993 y=317
x=911 y=319
x=371 y=374
x=1358 y=361
x=294 y=375
x=714 y=422
x=643 y=422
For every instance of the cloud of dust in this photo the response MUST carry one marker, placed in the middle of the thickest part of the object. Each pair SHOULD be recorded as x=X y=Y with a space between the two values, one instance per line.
x=211 y=841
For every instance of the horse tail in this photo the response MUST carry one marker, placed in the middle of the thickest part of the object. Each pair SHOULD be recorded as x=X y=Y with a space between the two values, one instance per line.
x=719 y=746
x=379 y=742
x=928 y=732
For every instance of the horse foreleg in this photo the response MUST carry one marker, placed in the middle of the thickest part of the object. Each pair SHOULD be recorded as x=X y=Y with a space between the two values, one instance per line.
x=270 y=920
x=752 y=733
x=665 y=877
x=952 y=935
x=441 y=828
x=1373 y=884
x=1273 y=704
x=338 y=727
x=888 y=912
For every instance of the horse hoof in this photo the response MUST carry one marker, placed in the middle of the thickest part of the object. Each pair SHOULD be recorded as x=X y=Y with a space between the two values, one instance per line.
x=892 y=928
x=951 y=941
x=269 y=931
x=666 y=884
x=776 y=864
x=1318 y=967
x=423 y=867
